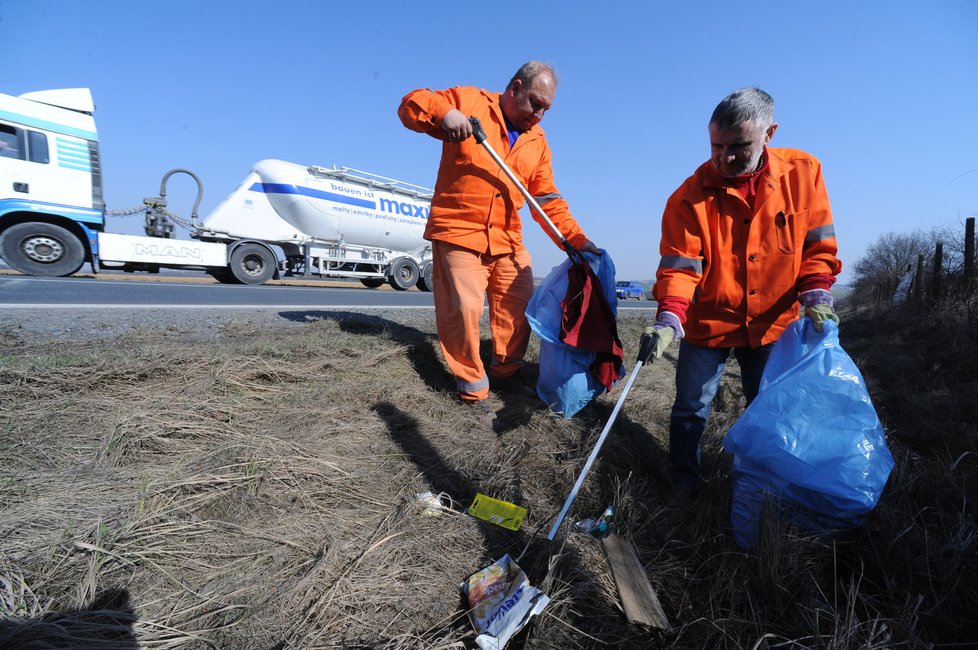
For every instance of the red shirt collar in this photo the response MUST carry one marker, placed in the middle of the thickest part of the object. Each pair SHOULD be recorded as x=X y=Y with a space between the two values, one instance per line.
x=746 y=184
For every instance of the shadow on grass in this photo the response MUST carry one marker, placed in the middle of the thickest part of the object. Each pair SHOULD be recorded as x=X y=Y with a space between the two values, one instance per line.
x=462 y=483
x=107 y=624
x=629 y=451
x=421 y=346
x=630 y=448
x=535 y=555
x=551 y=566
x=425 y=357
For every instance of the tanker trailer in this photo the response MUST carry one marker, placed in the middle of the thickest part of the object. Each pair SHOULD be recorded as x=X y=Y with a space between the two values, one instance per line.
x=329 y=222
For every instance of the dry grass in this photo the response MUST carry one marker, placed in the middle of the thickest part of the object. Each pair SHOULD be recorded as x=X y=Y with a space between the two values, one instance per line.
x=254 y=490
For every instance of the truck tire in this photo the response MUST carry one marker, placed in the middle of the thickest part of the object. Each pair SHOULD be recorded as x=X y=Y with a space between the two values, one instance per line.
x=424 y=282
x=42 y=249
x=371 y=283
x=252 y=264
x=404 y=273
x=224 y=276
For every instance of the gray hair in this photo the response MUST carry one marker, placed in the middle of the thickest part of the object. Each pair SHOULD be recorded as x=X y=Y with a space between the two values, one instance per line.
x=531 y=70
x=744 y=105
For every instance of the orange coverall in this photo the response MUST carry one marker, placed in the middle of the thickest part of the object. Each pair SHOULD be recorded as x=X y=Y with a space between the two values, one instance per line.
x=475 y=209
x=742 y=268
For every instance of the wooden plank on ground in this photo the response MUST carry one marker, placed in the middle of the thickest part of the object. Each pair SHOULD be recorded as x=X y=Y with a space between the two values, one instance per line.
x=638 y=598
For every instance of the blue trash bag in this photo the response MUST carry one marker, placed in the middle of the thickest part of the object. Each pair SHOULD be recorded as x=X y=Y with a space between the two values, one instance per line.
x=810 y=444
x=566 y=384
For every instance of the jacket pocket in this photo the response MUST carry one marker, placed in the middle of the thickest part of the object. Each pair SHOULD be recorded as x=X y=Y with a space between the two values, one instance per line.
x=786 y=225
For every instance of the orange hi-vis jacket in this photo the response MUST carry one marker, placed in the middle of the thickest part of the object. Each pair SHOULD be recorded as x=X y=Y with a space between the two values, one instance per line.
x=740 y=267
x=475 y=205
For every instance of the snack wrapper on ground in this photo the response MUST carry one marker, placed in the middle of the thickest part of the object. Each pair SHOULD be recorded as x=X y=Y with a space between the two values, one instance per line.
x=501 y=602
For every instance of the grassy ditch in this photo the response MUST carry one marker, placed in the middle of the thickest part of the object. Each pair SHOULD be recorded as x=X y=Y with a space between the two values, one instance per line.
x=255 y=489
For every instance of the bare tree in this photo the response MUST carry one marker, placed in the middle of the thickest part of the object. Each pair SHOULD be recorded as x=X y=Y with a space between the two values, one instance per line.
x=890 y=257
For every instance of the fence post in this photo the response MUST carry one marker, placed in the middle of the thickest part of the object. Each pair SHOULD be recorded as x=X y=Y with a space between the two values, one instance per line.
x=918 y=279
x=969 y=249
x=935 y=281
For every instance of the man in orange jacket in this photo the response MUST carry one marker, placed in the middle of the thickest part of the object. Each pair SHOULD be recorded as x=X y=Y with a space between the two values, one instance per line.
x=744 y=239
x=474 y=223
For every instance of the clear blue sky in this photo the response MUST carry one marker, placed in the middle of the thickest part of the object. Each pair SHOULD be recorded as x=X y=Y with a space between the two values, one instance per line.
x=885 y=93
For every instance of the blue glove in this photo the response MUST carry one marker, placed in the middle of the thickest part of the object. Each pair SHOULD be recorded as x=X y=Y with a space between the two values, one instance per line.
x=657 y=337
x=817 y=305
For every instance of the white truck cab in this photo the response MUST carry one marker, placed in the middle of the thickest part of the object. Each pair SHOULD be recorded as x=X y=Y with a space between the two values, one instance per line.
x=50 y=175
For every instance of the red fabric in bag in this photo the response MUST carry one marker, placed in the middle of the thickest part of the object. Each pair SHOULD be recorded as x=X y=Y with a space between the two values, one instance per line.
x=589 y=324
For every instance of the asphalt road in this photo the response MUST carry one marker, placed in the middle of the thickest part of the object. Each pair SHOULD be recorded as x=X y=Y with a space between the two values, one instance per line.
x=191 y=292
x=24 y=292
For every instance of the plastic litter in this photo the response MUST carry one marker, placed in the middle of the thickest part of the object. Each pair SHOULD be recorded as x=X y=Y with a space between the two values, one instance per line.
x=599 y=528
x=434 y=505
x=810 y=444
x=501 y=513
x=501 y=602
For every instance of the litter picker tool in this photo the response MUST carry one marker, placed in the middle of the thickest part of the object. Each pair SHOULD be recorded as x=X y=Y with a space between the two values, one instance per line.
x=644 y=354
x=480 y=138
x=594 y=454
x=639 y=600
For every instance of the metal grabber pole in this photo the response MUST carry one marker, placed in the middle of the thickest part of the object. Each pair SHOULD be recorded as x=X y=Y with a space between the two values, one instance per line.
x=480 y=138
x=575 y=255
x=644 y=354
x=594 y=454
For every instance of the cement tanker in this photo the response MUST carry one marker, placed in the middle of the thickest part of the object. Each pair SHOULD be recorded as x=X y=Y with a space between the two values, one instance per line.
x=330 y=222
x=284 y=219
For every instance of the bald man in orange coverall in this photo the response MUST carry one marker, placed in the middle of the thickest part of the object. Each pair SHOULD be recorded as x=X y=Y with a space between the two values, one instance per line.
x=474 y=224
x=748 y=245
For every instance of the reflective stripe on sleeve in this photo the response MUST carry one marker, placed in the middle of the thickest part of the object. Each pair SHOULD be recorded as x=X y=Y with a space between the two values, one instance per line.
x=819 y=234
x=546 y=198
x=681 y=263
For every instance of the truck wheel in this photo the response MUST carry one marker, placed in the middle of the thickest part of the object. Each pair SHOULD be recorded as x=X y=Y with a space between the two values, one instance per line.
x=252 y=264
x=42 y=249
x=224 y=276
x=424 y=282
x=371 y=283
x=404 y=274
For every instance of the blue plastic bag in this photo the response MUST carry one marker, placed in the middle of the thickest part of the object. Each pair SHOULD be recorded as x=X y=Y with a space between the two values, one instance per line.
x=566 y=384
x=810 y=444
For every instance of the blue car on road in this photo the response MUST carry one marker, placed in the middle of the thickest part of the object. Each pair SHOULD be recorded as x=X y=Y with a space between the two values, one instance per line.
x=626 y=290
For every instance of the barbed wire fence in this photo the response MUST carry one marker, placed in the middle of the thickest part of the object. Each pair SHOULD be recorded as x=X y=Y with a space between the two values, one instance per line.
x=929 y=281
